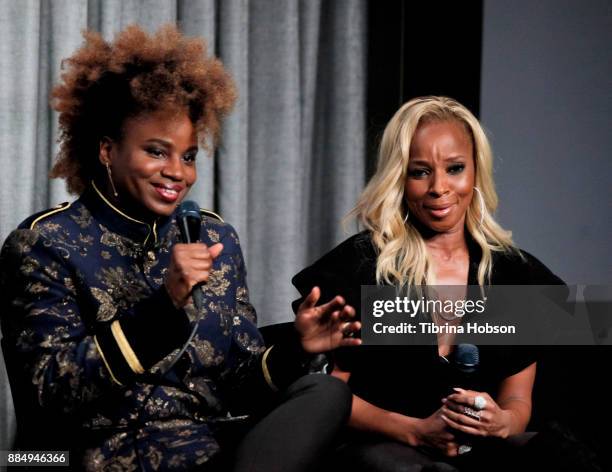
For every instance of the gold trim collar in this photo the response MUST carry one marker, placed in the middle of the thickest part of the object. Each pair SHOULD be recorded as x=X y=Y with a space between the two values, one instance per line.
x=117 y=210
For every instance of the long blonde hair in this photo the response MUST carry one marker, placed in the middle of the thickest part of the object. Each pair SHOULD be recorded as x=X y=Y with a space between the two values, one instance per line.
x=381 y=209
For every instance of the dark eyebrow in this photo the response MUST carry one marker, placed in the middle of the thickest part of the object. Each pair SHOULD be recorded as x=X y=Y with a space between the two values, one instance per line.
x=419 y=162
x=163 y=142
x=168 y=144
x=423 y=162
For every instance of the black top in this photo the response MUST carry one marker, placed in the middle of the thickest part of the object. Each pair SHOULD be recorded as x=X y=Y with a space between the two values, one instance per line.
x=413 y=379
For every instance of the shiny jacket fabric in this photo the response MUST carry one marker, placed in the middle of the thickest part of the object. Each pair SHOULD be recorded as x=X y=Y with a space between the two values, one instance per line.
x=66 y=275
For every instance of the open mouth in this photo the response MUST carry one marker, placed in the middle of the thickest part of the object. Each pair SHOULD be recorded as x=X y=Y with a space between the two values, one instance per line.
x=169 y=193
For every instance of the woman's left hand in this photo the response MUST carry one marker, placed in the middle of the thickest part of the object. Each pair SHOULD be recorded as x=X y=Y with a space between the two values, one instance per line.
x=325 y=327
x=460 y=413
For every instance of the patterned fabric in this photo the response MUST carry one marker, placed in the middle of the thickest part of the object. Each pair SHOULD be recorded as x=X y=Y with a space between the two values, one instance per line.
x=67 y=275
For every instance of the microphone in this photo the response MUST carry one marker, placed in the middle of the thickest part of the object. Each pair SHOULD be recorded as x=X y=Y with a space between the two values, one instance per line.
x=465 y=365
x=189 y=222
x=464 y=374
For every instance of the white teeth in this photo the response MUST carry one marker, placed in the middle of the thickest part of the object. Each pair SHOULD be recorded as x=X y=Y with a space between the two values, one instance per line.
x=169 y=191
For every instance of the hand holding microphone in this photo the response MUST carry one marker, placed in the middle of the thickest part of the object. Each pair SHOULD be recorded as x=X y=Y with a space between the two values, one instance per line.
x=476 y=414
x=467 y=410
x=191 y=261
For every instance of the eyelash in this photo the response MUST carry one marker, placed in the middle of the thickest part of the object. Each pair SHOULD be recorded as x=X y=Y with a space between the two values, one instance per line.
x=456 y=169
x=155 y=152
x=453 y=170
x=159 y=153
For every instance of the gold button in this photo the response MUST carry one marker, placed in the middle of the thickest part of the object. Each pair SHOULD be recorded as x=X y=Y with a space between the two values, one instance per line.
x=151 y=255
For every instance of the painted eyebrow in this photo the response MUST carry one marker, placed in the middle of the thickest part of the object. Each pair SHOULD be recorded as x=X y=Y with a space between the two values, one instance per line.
x=163 y=142
x=168 y=144
x=419 y=162
x=448 y=159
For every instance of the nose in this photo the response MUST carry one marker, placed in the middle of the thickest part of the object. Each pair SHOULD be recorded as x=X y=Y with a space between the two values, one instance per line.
x=439 y=184
x=173 y=168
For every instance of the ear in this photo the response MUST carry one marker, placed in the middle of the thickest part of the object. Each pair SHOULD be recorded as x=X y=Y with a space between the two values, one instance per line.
x=106 y=150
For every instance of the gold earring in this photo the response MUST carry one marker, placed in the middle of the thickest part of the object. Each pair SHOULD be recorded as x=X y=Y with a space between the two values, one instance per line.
x=110 y=179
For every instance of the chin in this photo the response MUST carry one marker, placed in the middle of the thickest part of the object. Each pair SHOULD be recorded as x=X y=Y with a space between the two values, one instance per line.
x=441 y=226
x=162 y=209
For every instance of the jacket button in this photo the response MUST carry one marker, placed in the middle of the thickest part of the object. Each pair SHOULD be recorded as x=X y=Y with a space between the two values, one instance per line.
x=151 y=255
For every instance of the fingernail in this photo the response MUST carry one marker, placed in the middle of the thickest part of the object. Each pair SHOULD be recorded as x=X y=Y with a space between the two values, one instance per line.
x=443 y=417
x=457 y=389
x=444 y=400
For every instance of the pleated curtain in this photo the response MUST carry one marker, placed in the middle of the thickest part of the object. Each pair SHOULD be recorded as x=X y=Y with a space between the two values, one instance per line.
x=292 y=158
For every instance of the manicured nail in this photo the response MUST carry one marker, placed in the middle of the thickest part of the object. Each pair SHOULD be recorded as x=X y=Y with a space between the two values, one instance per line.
x=457 y=389
x=444 y=400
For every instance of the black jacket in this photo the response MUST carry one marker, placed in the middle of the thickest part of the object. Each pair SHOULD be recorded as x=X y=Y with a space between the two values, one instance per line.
x=412 y=379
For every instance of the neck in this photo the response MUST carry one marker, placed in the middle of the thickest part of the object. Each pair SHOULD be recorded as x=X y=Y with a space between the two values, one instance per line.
x=107 y=194
x=448 y=243
x=447 y=246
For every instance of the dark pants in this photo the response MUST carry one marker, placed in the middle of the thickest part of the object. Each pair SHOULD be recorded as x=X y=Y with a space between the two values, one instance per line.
x=364 y=452
x=295 y=435
x=555 y=448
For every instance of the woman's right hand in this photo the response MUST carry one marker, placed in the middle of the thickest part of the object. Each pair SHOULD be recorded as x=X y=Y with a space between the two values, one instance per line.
x=434 y=432
x=190 y=264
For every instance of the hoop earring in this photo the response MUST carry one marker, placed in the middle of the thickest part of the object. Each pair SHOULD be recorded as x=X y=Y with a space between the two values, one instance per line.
x=482 y=204
x=110 y=179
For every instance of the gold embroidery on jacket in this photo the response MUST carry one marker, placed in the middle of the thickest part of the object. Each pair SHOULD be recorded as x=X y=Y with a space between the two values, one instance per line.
x=107 y=308
x=213 y=235
x=206 y=352
x=83 y=218
x=218 y=282
x=124 y=247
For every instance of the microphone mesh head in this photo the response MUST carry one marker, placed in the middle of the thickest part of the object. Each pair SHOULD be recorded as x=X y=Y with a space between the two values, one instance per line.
x=467 y=356
x=189 y=209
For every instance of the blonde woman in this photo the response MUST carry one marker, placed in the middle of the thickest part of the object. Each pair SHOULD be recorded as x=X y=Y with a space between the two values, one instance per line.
x=428 y=219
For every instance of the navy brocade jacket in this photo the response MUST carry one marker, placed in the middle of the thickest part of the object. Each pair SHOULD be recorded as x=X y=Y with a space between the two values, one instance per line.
x=89 y=333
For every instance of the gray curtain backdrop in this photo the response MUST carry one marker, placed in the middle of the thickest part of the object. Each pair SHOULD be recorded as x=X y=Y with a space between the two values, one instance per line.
x=292 y=159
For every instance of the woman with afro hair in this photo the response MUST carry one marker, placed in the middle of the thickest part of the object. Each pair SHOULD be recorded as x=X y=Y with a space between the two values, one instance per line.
x=109 y=354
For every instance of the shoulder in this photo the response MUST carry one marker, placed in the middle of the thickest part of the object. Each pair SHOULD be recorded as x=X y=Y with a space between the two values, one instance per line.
x=354 y=249
x=354 y=258
x=210 y=215
x=41 y=225
x=215 y=230
x=38 y=220
x=522 y=268
x=34 y=241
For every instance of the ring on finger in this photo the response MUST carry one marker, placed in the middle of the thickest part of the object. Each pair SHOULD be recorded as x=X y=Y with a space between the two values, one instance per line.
x=479 y=402
x=464 y=449
x=347 y=332
x=471 y=413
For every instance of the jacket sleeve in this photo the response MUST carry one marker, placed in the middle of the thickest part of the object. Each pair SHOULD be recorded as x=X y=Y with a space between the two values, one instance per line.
x=44 y=335
x=67 y=359
x=256 y=373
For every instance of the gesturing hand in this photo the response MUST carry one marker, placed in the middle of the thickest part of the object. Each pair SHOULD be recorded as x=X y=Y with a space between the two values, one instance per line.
x=190 y=264
x=460 y=412
x=323 y=328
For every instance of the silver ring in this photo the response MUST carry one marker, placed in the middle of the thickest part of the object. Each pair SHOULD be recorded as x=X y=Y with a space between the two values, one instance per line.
x=471 y=413
x=480 y=403
x=348 y=332
x=464 y=449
